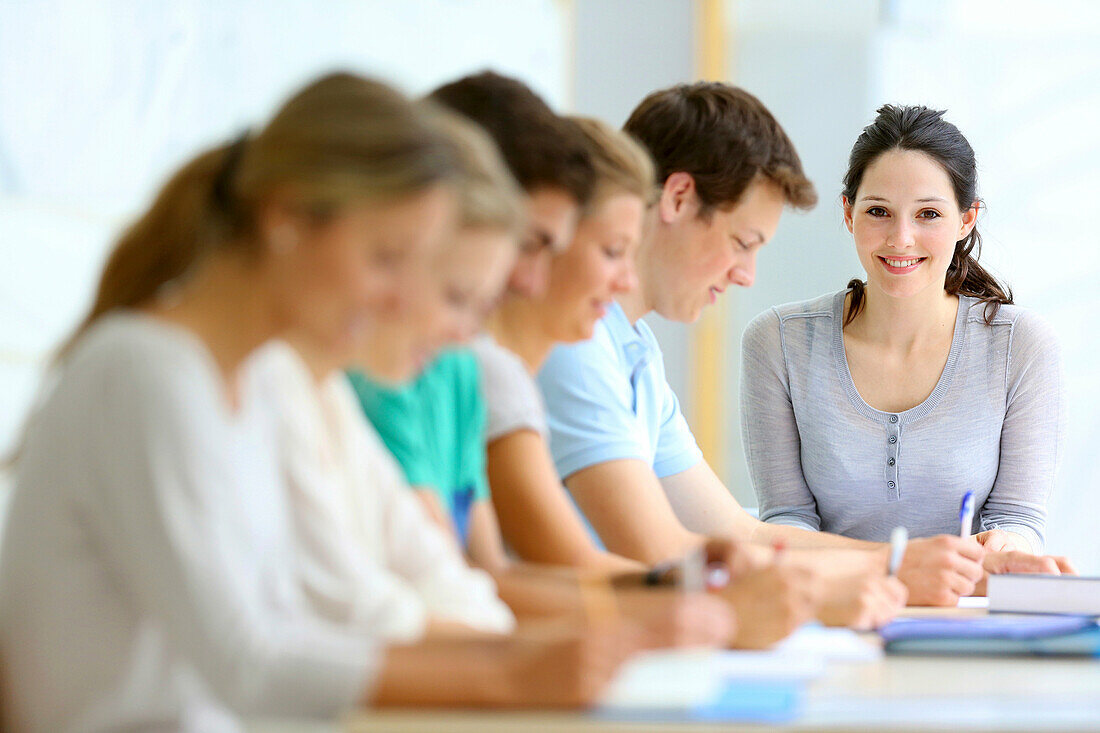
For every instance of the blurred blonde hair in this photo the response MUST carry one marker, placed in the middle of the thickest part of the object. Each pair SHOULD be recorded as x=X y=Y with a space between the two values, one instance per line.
x=488 y=195
x=622 y=164
x=342 y=138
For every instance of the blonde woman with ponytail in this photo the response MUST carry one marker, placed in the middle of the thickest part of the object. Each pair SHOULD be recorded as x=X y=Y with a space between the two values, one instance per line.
x=147 y=574
x=371 y=556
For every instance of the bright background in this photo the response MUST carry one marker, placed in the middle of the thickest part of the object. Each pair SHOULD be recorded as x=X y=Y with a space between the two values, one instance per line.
x=100 y=100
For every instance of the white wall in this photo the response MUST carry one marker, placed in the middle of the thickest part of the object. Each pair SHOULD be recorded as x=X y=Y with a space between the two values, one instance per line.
x=100 y=100
x=1022 y=81
x=626 y=49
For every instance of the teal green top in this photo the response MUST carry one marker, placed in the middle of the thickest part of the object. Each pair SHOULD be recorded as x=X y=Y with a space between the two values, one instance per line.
x=435 y=427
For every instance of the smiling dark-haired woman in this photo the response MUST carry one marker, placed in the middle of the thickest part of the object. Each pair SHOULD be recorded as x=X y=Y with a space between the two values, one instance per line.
x=882 y=404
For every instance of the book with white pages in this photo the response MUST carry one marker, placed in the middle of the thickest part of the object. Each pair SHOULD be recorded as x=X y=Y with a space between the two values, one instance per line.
x=1062 y=594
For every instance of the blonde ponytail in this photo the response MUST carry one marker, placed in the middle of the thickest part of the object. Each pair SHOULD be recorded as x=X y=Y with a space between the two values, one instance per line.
x=342 y=138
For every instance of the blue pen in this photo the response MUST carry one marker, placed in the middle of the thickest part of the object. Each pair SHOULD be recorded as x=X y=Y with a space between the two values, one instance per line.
x=966 y=514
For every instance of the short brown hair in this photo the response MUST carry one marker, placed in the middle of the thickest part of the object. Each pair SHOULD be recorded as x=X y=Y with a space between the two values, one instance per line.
x=724 y=138
x=540 y=148
x=488 y=196
x=622 y=164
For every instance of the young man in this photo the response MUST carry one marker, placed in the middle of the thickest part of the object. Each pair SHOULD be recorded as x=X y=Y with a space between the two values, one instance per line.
x=726 y=170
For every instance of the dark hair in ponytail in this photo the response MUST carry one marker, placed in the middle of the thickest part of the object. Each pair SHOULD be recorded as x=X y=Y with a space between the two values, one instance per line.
x=924 y=130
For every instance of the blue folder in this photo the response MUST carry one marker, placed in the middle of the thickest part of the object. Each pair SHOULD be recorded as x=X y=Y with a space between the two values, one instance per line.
x=995 y=634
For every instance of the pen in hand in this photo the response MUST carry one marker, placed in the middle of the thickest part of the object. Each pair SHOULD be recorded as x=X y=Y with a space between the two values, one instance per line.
x=966 y=515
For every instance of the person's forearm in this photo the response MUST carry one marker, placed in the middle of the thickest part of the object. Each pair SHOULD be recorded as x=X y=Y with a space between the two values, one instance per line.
x=796 y=537
x=833 y=562
x=444 y=672
x=539 y=590
x=828 y=554
x=610 y=564
x=441 y=629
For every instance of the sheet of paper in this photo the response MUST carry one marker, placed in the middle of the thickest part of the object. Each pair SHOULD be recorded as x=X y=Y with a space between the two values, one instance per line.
x=832 y=645
x=665 y=679
x=708 y=685
x=685 y=678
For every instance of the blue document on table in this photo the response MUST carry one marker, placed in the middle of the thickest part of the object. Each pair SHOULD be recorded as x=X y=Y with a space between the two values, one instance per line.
x=994 y=634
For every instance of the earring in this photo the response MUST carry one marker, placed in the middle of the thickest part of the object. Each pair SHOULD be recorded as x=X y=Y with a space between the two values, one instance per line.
x=283 y=239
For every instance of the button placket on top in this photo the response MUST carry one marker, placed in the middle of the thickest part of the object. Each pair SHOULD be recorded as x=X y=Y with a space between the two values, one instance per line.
x=893 y=445
x=893 y=421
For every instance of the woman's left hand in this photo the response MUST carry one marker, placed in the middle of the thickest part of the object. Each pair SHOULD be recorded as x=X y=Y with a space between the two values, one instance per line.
x=996 y=540
x=1014 y=561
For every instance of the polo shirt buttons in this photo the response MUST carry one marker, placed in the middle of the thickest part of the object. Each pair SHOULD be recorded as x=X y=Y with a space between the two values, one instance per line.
x=890 y=477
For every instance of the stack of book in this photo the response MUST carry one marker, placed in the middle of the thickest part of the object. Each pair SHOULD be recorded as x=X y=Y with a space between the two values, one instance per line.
x=1028 y=614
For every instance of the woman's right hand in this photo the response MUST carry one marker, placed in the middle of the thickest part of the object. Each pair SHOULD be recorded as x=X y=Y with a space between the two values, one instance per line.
x=671 y=618
x=546 y=665
x=862 y=601
x=772 y=602
x=567 y=669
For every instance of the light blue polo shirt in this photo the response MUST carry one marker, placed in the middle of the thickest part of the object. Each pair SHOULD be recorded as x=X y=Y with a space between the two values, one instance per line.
x=607 y=399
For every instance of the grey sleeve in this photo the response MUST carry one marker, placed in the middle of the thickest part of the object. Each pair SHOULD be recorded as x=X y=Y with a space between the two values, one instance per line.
x=512 y=398
x=769 y=431
x=1032 y=435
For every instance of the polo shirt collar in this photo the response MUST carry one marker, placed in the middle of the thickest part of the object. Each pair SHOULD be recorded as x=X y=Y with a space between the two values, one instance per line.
x=636 y=348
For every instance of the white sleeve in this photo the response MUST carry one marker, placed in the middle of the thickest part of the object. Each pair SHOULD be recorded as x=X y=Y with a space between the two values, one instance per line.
x=416 y=549
x=170 y=523
x=342 y=581
x=451 y=589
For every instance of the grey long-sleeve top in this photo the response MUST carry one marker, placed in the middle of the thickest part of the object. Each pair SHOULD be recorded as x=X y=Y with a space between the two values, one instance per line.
x=823 y=459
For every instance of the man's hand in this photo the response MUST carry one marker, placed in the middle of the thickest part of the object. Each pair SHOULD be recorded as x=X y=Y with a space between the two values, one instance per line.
x=938 y=570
